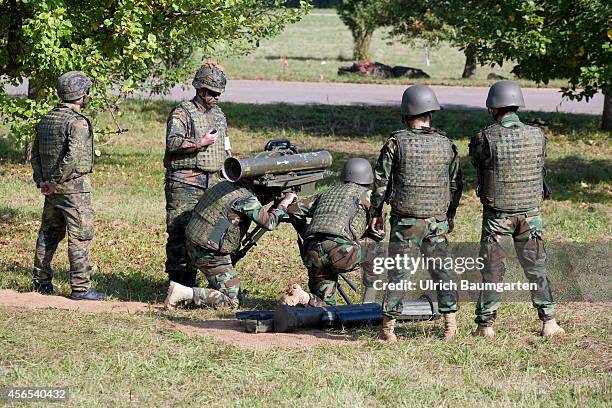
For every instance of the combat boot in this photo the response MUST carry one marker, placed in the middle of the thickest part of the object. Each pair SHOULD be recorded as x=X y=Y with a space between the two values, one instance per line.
x=87 y=295
x=387 y=330
x=44 y=288
x=551 y=328
x=483 y=331
x=177 y=293
x=450 y=325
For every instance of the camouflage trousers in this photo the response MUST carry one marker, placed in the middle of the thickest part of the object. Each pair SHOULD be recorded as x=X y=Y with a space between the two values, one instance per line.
x=223 y=283
x=417 y=237
x=500 y=232
x=325 y=259
x=181 y=199
x=72 y=213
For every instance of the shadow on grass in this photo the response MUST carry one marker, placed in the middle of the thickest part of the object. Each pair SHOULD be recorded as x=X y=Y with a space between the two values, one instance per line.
x=9 y=152
x=365 y=121
x=571 y=178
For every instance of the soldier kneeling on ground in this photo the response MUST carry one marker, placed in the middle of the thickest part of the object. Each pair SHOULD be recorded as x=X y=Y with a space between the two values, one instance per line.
x=332 y=240
x=218 y=224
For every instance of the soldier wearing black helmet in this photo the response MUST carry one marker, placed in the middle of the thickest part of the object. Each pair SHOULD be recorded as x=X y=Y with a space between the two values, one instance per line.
x=333 y=238
x=418 y=173
x=62 y=158
x=196 y=146
x=509 y=159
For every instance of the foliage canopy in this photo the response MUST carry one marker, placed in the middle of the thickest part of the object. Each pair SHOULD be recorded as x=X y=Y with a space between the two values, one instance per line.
x=127 y=44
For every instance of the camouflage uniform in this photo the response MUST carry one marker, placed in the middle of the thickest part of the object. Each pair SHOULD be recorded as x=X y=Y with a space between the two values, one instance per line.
x=511 y=214
x=62 y=154
x=339 y=220
x=190 y=170
x=420 y=227
x=219 y=222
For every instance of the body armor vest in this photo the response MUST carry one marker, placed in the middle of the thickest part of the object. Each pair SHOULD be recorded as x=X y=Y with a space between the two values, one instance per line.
x=421 y=179
x=513 y=179
x=339 y=213
x=53 y=138
x=210 y=226
x=212 y=157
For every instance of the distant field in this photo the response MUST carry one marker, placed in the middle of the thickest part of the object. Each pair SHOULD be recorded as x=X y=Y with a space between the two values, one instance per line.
x=320 y=43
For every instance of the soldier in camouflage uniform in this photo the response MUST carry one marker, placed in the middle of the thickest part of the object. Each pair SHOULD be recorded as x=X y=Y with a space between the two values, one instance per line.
x=340 y=218
x=219 y=222
x=62 y=158
x=418 y=173
x=509 y=159
x=196 y=146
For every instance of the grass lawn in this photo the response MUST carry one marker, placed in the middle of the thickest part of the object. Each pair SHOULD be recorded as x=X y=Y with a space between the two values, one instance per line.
x=123 y=360
x=316 y=46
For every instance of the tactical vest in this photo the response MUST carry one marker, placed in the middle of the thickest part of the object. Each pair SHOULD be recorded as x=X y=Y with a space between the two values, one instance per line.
x=53 y=137
x=210 y=226
x=338 y=213
x=421 y=177
x=513 y=180
x=212 y=157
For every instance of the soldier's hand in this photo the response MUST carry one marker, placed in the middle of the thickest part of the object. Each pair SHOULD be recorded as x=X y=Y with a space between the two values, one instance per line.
x=288 y=199
x=377 y=226
x=209 y=138
x=47 y=188
x=451 y=225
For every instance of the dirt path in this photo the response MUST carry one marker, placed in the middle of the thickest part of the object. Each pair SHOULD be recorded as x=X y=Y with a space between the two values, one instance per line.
x=229 y=331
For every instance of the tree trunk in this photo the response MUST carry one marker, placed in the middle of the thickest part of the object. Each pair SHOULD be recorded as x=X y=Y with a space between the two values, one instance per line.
x=361 y=44
x=606 y=120
x=33 y=89
x=469 y=70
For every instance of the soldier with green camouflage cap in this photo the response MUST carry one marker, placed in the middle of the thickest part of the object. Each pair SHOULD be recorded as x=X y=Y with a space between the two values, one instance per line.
x=217 y=226
x=196 y=146
x=418 y=173
x=509 y=160
x=62 y=158
x=332 y=240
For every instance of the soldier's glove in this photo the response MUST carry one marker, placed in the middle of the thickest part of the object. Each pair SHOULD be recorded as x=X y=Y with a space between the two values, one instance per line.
x=294 y=295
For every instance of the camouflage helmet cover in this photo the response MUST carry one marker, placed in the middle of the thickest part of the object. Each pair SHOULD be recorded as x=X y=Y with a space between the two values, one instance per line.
x=358 y=170
x=210 y=76
x=418 y=99
x=505 y=93
x=72 y=85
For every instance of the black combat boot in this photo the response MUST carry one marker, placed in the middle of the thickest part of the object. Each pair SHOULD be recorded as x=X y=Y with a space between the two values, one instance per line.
x=44 y=288
x=90 y=294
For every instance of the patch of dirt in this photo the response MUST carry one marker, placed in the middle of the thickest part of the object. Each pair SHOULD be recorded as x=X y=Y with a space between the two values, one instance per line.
x=33 y=300
x=231 y=331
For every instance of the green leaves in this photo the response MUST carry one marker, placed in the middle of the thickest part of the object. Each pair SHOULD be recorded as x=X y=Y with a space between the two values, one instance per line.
x=137 y=44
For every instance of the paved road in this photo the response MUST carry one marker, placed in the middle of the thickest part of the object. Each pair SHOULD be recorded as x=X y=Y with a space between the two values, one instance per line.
x=304 y=93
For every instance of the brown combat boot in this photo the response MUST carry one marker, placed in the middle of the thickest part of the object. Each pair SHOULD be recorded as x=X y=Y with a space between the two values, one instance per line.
x=483 y=331
x=387 y=330
x=551 y=328
x=450 y=325
x=177 y=293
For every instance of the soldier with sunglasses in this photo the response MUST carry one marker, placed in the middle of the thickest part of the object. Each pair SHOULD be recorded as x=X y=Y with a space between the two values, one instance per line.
x=196 y=146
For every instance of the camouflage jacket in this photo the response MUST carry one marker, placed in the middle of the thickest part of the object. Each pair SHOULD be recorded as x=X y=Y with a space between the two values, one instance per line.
x=178 y=127
x=383 y=178
x=480 y=156
x=78 y=136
